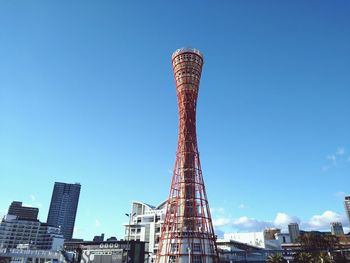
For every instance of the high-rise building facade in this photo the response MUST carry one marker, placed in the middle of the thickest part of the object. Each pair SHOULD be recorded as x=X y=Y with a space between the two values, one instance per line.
x=187 y=234
x=23 y=212
x=337 y=229
x=63 y=207
x=294 y=232
x=347 y=207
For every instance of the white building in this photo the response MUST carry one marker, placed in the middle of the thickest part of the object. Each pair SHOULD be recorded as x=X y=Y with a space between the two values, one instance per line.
x=16 y=232
x=252 y=238
x=145 y=224
x=260 y=239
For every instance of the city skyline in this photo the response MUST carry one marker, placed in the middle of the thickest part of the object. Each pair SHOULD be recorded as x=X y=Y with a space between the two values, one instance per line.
x=90 y=98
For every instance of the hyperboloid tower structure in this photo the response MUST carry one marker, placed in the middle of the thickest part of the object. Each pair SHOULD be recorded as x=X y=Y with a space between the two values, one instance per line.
x=187 y=234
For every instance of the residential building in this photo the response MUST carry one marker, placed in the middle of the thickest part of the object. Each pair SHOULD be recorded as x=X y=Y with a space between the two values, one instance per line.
x=337 y=229
x=145 y=225
x=23 y=212
x=294 y=232
x=63 y=207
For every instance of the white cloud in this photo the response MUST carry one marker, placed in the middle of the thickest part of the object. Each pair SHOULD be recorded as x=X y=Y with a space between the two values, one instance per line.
x=282 y=220
x=322 y=222
x=221 y=222
x=245 y=223
x=250 y=223
x=242 y=223
x=336 y=158
x=97 y=223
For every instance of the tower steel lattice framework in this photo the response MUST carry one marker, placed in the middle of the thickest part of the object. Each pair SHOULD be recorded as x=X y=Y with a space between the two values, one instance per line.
x=187 y=234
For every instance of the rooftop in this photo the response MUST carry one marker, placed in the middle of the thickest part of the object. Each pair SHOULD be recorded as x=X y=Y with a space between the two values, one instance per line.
x=186 y=50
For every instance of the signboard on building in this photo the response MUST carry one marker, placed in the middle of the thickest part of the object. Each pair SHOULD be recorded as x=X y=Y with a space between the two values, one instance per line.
x=114 y=255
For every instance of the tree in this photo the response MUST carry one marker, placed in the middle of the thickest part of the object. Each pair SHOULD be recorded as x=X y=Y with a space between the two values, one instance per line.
x=325 y=258
x=303 y=257
x=315 y=246
x=314 y=242
x=275 y=258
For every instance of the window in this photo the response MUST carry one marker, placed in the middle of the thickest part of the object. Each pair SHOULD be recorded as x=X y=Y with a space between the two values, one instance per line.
x=196 y=247
x=174 y=247
x=197 y=259
x=211 y=248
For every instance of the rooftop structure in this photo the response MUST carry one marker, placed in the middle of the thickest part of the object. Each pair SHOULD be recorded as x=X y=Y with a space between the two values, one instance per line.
x=23 y=212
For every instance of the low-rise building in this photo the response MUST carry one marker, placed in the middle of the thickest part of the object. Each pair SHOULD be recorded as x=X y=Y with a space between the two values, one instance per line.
x=267 y=239
x=105 y=252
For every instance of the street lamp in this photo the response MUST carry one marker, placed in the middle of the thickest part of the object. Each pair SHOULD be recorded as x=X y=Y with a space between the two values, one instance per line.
x=189 y=254
x=128 y=241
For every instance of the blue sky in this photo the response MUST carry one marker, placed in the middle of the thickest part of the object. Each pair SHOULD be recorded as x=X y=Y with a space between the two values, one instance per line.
x=87 y=95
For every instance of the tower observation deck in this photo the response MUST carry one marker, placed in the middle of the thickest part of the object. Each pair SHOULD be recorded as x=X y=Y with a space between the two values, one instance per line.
x=187 y=234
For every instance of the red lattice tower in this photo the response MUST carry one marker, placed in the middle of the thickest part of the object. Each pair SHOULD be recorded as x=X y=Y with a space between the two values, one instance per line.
x=187 y=234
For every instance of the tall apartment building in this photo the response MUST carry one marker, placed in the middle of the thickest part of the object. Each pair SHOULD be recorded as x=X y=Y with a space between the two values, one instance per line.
x=347 y=207
x=294 y=232
x=23 y=212
x=15 y=232
x=63 y=207
x=145 y=225
x=337 y=229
